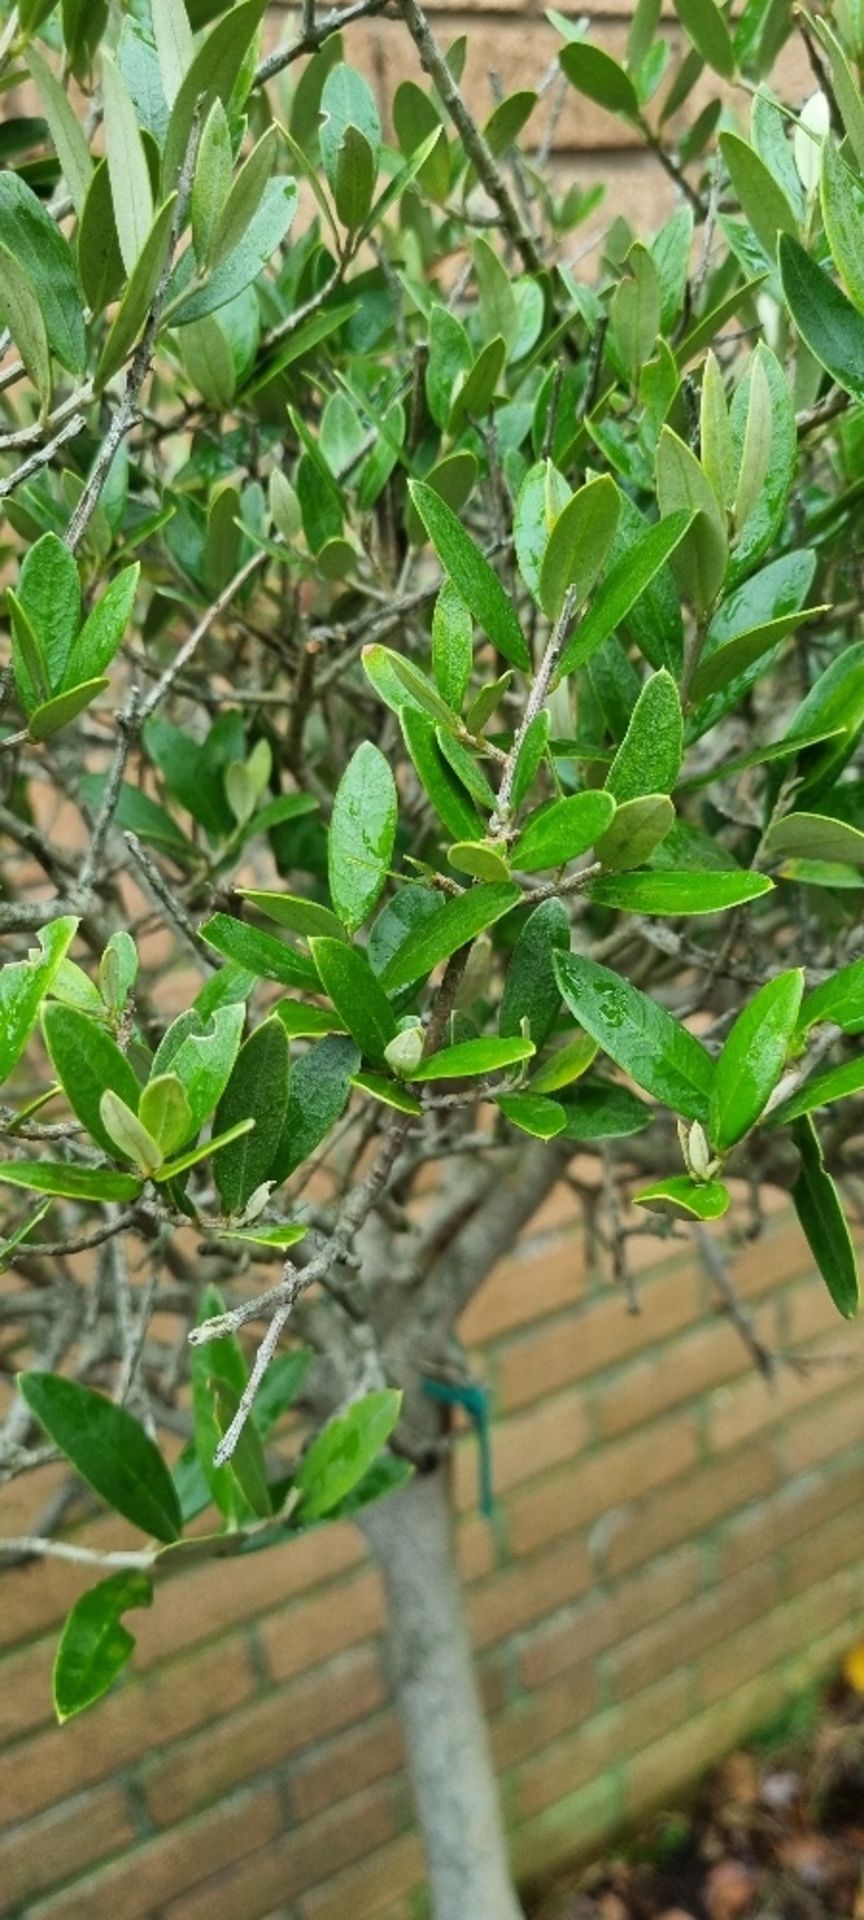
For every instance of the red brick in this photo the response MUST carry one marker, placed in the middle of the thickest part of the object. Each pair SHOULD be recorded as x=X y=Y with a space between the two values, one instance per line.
x=827 y=1430
x=700 y=1358
x=262 y=1735
x=25 y=1689
x=145 y=1713
x=598 y=1334
x=299 y=1859
x=790 y=1515
x=535 y=1282
x=686 y=1633
x=600 y=1745
x=311 y=1630
x=342 y=1767
x=63 y=1842
x=615 y=1476
x=522 y=1594
x=369 y=1889
x=671 y=1515
x=533 y=1721
x=810 y=1616
x=203 y=1605
x=525 y=1445
x=610 y=1615
x=159 y=1869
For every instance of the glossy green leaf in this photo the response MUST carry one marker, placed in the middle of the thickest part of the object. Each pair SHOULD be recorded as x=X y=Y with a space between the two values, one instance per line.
x=542 y=497
x=839 y=999
x=721 y=665
x=700 y=558
x=51 y=715
x=103 y=630
x=600 y=78
x=109 y=1449
x=643 y=1039
x=838 y=1083
x=566 y=1064
x=344 y=1450
x=306 y=917
x=360 y=1001
x=762 y=198
x=473 y=1058
x=445 y=932
x=639 y=827
x=623 y=586
x=319 y=1088
x=257 y=1090
x=201 y=1053
x=70 y=1182
x=20 y=309
x=562 y=830
x=35 y=240
x=94 y=1645
x=165 y=1111
x=531 y=989
x=752 y=1059
x=533 y=1114
x=817 y=1204
x=260 y=953
x=441 y=787
x=88 y=1063
x=390 y=1093
x=131 y=316
x=695 y=1199
x=578 y=544
x=827 y=321
x=648 y=760
x=677 y=893
x=482 y=859
x=49 y=594
x=247 y=1463
x=472 y=575
x=601 y=1111
x=24 y=984
x=452 y=646
x=362 y=832
x=211 y=1363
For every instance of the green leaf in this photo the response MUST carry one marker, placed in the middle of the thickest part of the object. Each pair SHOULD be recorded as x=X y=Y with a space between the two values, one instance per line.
x=700 y=558
x=578 y=544
x=201 y=1053
x=94 y=1645
x=837 y=1084
x=542 y=497
x=36 y=242
x=697 y=1200
x=466 y=767
x=721 y=665
x=753 y=1058
x=705 y=26
x=109 y=1449
x=828 y=323
x=135 y=306
x=814 y=836
x=535 y=741
x=20 y=309
x=842 y=210
x=214 y=73
x=481 y=858
x=415 y=119
x=533 y=1114
x=68 y=1182
x=640 y=1036
x=362 y=833
x=49 y=594
x=257 y=1090
x=472 y=575
x=215 y=1362
x=678 y=893
x=165 y=1112
x=346 y=101
x=23 y=986
x=472 y=1058
x=817 y=1204
x=244 y=200
x=839 y=999
x=104 y=628
x=319 y=1088
x=247 y=1462
x=757 y=446
x=354 y=179
x=28 y=659
x=846 y=92
x=648 y=760
x=343 y=1451
x=623 y=586
x=600 y=78
x=562 y=830
x=260 y=953
x=454 y=926
x=531 y=990
x=443 y=791
x=566 y=1064
x=359 y=999
x=639 y=826
x=212 y=183
x=174 y=44
x=389 y=1092
x=48 y=718
x=281 y=1237
x=715 y=433
x=290 y=910
x=763 y=200
x=88 y=1063
x=834 y=706
x=66 y=131
x=127 y=165
x=601 y=1111
x=129 y=1136
x=100 y=262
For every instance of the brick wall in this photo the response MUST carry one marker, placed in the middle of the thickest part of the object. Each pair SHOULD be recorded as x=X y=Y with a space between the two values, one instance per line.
x=674 y=1550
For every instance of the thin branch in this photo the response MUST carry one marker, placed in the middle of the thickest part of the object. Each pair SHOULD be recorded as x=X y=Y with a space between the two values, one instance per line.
x=190 y=646
x=43 y=455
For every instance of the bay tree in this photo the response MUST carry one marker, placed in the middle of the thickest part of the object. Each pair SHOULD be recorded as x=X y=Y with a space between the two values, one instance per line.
x=430 y=756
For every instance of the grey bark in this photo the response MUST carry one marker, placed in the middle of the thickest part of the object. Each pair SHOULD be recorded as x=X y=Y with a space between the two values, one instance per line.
x=449 y=1760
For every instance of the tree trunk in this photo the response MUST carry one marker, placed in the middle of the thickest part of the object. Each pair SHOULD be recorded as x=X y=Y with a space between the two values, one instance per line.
x=452 y=1776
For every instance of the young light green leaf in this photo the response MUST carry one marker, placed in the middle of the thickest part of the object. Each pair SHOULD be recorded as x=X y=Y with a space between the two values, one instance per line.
x=695 y=1199
x=471 y=1059
x=483 y=859
x=88 y=1063
x=165 y=1112
x=814 y=836
x=127 y=165
x=562 y=830
x=445 y=932
x=758 y=443
x=817 y=1204
x=533 y=1114
x=109 y=1449
x=839 y=999
x=715 y=433
x=48 y=718
x=640 y=1036
x=761 y=197
x=68 y=1182
x=258 y=1091
x=362 y=833
x=822 y=1091
x=24 y=984
x=128 y=1136
x=753 y=1058
x=94 y=1645
x=566 y=1064
x=639 y=826
x=578 y=544
x=344 y=1450
x=678 y=893
x=472 y=575
x=174 y=44
x=700 y=558
x=648 y=760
